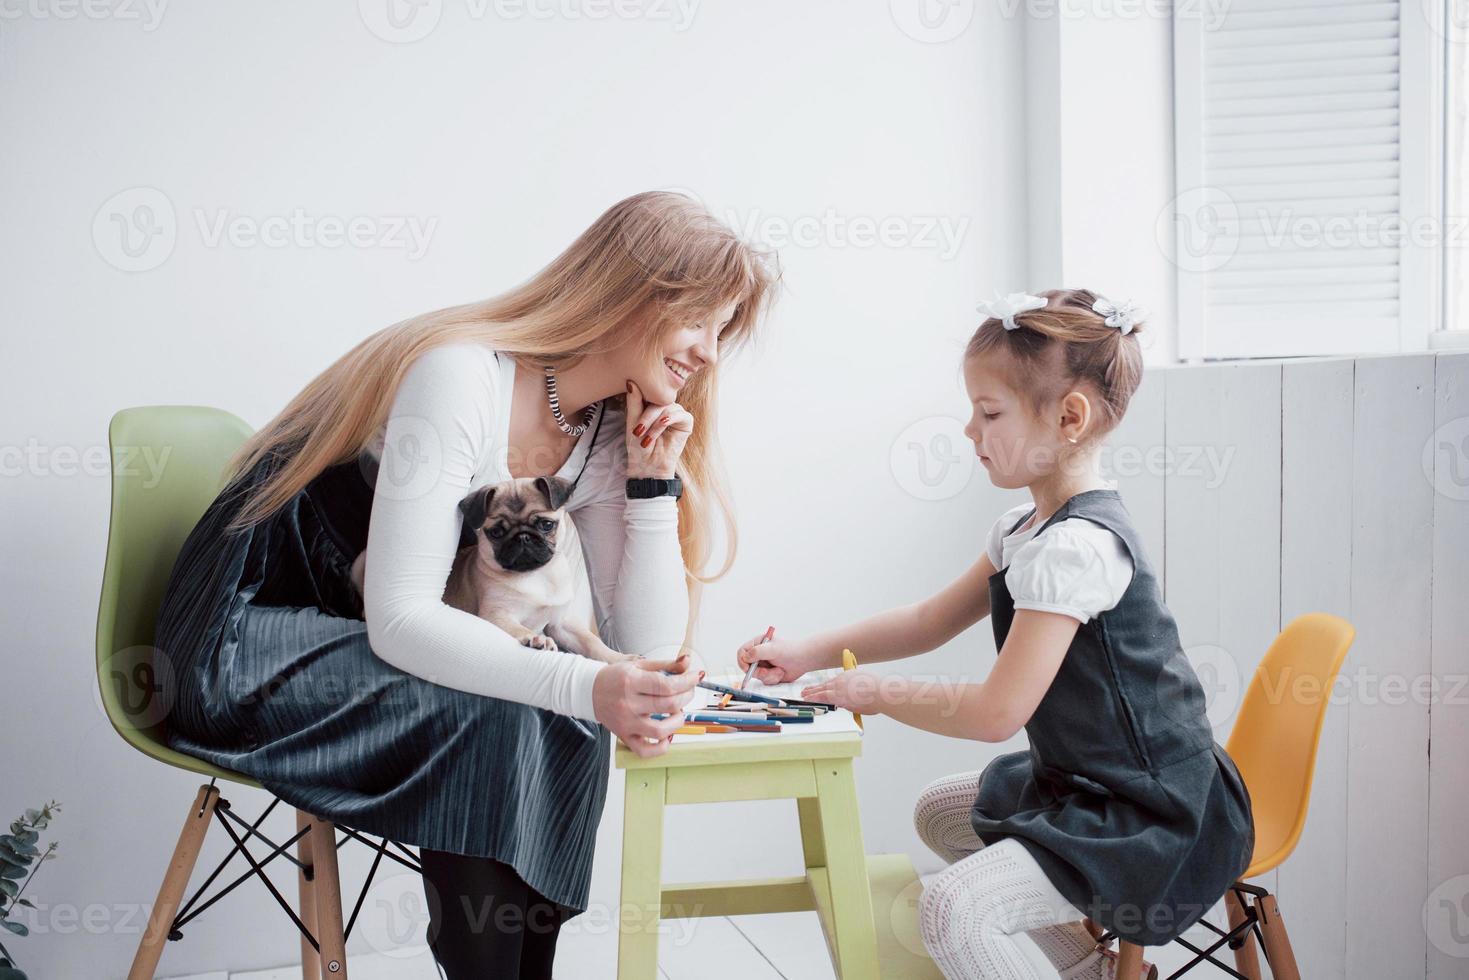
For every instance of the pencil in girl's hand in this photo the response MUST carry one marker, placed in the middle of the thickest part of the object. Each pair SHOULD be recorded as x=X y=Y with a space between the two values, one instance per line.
x=769 y=635
x=769 y=632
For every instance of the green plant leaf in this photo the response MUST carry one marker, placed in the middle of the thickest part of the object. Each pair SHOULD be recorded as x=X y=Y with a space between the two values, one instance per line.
x=10 y=973
x=9 y=887
x=11 y=871
x=16 y=927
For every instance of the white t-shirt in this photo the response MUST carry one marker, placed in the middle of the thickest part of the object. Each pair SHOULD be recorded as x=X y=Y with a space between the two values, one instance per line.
x=1076 y=568
x=447 y=433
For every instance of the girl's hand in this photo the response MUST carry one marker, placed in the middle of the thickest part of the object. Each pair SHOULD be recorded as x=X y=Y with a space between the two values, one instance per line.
x=787 y=659
x=655 y=436
x=855 y=690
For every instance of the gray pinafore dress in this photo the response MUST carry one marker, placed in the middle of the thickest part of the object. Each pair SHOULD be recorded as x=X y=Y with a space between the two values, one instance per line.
x=1136 y=815
x=274 y=678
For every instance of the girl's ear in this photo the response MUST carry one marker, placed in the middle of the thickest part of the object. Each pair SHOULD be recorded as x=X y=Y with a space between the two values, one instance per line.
x=1076 y=416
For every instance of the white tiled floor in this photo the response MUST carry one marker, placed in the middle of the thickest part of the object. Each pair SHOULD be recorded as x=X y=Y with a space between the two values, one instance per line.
x=752 y=947
x=778 y=946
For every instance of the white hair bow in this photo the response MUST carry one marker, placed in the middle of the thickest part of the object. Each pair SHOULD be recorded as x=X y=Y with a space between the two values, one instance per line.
x=1006 y=308
x=1122 y=316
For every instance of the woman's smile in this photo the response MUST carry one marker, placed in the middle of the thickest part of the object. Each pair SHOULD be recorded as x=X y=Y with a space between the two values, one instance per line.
x=679 y=371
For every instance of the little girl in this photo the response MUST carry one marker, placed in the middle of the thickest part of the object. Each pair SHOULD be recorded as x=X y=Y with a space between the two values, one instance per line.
x=1123 y=809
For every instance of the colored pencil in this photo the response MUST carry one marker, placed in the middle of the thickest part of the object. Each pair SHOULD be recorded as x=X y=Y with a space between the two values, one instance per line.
x=849 y=662
x=750 y=670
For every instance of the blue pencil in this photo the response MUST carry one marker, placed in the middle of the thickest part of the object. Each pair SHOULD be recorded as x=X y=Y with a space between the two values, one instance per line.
x=698 y=719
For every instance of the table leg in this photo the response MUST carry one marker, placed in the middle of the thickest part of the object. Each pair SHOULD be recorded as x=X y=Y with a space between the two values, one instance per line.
x=846 y=862
x=642 y=874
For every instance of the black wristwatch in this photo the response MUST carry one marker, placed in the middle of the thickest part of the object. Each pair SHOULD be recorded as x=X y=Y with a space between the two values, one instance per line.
x=639 y=488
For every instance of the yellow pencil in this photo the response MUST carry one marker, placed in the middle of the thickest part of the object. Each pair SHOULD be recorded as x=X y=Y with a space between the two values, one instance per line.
x=849 y=662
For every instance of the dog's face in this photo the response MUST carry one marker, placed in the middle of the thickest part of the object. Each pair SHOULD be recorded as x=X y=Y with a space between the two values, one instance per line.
x=515 y=522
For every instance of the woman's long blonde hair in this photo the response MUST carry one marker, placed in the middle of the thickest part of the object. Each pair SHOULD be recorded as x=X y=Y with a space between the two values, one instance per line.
x=651 y=263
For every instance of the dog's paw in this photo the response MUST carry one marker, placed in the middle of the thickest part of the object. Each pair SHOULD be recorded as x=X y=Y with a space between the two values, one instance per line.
x=539 y=641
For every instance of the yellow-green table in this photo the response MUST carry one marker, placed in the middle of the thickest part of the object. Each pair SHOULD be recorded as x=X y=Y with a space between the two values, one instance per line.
x=842 y=883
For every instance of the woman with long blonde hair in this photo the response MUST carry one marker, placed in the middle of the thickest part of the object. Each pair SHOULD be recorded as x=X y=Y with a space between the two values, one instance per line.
x=359 y=694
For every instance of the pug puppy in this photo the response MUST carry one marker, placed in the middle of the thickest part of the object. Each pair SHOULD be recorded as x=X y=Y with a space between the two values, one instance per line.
x=525 y=571
x=523 y=568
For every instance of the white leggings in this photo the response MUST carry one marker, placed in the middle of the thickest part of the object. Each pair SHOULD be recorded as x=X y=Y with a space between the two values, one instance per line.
x=971 y=912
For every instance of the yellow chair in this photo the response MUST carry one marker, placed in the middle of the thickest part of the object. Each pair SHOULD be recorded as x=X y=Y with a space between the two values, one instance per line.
x=1273 y=742
x=152 y=514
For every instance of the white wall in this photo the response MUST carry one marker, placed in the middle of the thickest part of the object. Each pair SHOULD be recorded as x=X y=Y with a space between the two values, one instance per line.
x=1099 y=106
x=504 y=136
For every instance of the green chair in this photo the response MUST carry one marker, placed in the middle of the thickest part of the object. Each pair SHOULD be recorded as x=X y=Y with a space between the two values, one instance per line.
x=156 y=501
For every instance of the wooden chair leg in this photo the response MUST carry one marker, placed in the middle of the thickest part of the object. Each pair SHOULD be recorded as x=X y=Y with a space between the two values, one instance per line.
x=310 y=959
x=328 y=888
x=1246 y=958
x=175 y=880
x=1277 y=944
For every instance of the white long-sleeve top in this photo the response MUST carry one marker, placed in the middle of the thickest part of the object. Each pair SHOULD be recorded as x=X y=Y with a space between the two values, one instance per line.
x=447 y=433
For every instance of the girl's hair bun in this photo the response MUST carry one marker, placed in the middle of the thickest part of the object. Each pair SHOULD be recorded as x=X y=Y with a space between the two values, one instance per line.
x=1078 y=335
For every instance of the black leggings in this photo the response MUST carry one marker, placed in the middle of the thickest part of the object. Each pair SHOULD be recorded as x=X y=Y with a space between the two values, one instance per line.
x=485 y=921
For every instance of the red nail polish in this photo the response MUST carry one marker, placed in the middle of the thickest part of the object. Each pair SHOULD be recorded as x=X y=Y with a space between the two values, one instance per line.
x=638 y=430
x=646 y=441
x=661 y=420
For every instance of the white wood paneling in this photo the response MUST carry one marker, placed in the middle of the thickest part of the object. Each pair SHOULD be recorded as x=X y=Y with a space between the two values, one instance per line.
x=1315 y=576
x=1223 y=522
x=1222 y=506
x=1447 y=913
x=1387 y=763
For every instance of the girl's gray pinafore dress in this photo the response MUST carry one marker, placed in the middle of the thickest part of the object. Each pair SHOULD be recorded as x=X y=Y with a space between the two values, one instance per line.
x=274 y=678
x=1138 y=817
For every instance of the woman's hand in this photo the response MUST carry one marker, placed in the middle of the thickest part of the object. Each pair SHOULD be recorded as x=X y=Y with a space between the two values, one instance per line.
x=787 y=660
x=855 y=690
x=655 y=436
x=626 y=693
